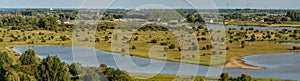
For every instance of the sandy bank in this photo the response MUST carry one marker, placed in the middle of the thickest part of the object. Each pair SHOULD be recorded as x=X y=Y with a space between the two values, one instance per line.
x=238 y=62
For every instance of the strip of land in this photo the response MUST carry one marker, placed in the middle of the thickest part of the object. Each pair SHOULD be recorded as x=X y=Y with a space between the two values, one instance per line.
x=238 y=62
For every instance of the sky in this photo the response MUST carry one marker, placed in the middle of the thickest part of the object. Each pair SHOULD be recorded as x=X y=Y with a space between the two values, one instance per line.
x=211 y=4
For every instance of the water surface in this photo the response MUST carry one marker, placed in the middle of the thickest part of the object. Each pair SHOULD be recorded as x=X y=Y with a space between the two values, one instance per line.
x=285 y=65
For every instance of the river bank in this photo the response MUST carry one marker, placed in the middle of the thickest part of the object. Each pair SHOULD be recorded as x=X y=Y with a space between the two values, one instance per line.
x=238 y=62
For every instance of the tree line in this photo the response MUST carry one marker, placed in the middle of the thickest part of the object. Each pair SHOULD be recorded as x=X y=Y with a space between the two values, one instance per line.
x=31 y=68
x=294 y=15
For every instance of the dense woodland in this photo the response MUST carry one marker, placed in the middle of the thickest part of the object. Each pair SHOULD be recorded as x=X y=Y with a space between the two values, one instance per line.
x=31 y=68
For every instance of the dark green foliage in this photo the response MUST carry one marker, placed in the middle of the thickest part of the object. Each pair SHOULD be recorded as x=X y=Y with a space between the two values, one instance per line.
x=28 y=57
x=115 y=75
x=227 y=48
x=253 y=37
x=5 y=59
x=296 y=47
x=133 y=47
x=52 y=69
x=97 y=40
x=2 y=73
x=224 y=77
x=1 y=40
x=244 y=77
x=103 y=67
x=153 y=41
x=153 y=28
x=26 y=77
x=172 y=46
x=136 y=38
x=294 y=15
x=72 y=69
x=195 y=18
x=64 y=38
x=243 y=42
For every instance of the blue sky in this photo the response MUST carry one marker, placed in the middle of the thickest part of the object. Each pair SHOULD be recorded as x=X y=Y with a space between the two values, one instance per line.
x=260 y=4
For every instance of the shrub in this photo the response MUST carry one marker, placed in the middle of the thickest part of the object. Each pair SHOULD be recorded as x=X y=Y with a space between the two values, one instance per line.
x=1 y=40
x=52 y=65
x=172 y=46
x=153 y=41
x=296 y=47
x=28 y=57
x=133 y=47
x=4 y=59
x=224 y=76
x=253 y=38
x=227 y=48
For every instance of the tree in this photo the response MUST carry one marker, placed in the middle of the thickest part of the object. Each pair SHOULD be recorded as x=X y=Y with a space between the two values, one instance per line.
x=253 y=37
x=153 y=41
x=224 y=76
x=243 y=42
x=227 y=48
x=26 y=77
x=28 y=57
x=5 y=59
x=244 y=77
x=296 y=47
x=73 y=70
x=294 y=15
x=1 y=40
x=116 y=75
x=191 y=19
x=172 y=46
x=133 y=47
x=52 y=69
x=103 y=67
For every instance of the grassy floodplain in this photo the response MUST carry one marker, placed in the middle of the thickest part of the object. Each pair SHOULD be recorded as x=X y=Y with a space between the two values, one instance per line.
x=32 y=28
x=238 y=42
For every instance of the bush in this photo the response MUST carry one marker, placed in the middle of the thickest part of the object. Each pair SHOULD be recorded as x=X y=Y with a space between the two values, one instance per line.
x=1 y=40
x=243 y=46
x=51 y=65
x=5 y=59
x=224 y=76
x=296 y=47
x=172 y=46
x=227 y=48
x=28 y=57
x=133 y=47
x=153 y=41
x=253 y=38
